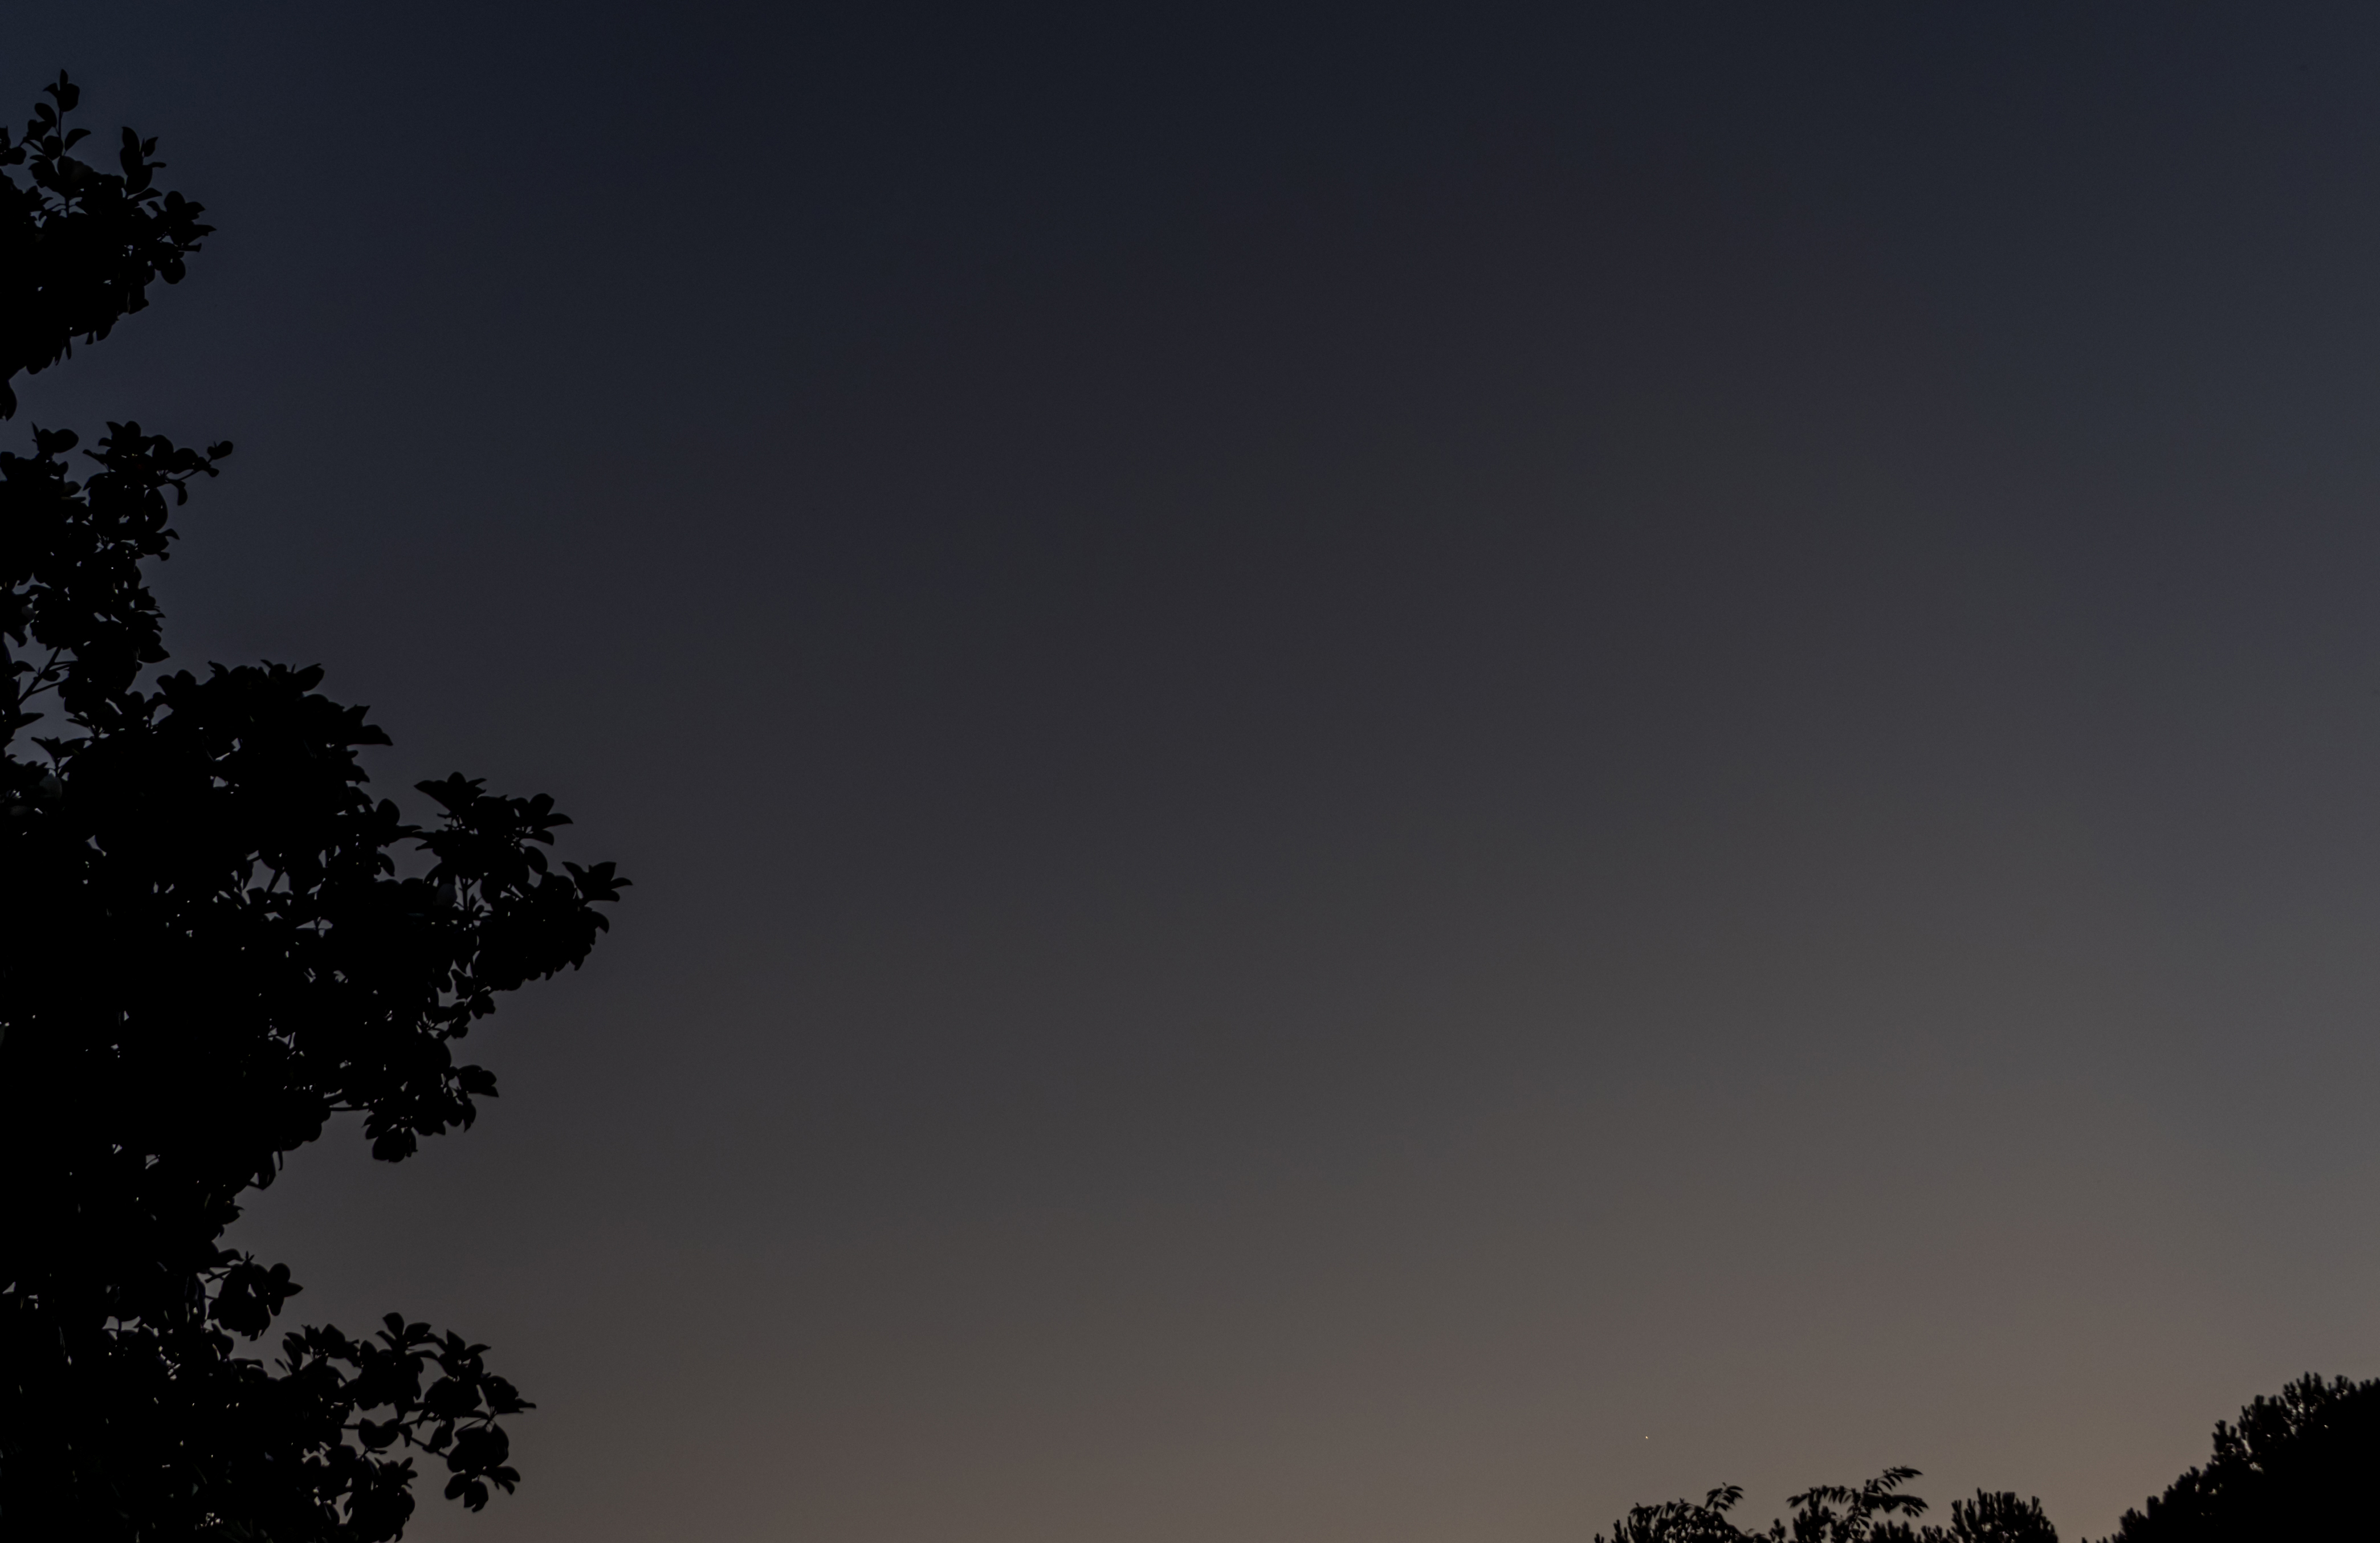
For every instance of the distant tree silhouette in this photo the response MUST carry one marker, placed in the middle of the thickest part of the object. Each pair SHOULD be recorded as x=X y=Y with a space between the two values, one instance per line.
x=1835 y=1513
x=207 y=951
x=2299 y=1465
x=1682 y=1521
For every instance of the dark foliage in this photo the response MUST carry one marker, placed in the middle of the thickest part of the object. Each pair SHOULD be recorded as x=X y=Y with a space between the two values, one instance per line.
x=79 y=246
x=2001 y=1518
x=1874 y=1513
x=2299 y=1465
x=207 y=951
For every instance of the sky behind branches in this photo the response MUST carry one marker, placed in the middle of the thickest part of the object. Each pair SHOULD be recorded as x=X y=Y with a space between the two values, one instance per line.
x=1392 y=775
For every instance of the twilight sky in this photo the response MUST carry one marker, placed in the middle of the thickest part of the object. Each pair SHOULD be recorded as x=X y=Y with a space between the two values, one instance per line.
x=1392 y=775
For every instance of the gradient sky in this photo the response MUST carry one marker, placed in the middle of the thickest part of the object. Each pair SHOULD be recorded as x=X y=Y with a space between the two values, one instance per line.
x=1392 y=775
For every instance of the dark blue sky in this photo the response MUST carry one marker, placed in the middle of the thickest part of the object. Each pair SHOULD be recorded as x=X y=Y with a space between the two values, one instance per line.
x=1392 y=776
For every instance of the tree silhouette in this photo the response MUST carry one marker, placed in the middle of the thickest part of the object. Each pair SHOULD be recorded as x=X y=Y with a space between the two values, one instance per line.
x=1835 y=1513
x=2299 y=1465
x=207 y=951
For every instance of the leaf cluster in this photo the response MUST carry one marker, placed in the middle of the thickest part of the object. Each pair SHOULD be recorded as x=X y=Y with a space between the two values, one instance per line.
x=212 y=948
x=179 y=1437
x=80 y=245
